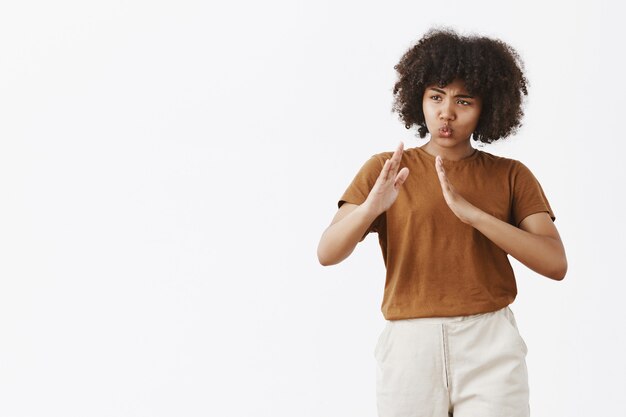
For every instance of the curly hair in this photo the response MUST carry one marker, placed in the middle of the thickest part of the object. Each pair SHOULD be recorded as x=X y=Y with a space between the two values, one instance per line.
x=490 y=69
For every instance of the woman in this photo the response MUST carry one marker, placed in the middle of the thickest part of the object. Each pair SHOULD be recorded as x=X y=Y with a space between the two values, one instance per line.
x=447 y=215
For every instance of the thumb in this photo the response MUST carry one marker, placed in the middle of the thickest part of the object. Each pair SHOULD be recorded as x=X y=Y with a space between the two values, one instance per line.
x=401 y=177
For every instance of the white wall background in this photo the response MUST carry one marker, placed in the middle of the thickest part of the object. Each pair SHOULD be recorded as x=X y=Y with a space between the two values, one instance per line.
x=167 y=169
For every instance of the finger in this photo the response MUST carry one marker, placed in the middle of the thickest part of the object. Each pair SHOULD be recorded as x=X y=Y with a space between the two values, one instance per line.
x=439 y=166
x=398 y=153
x=401 y=177
x=441 y=173
x=396 y=158
x=384 y=173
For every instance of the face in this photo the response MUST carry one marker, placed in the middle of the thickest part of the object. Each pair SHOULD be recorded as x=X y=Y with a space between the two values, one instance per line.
x=451 y=113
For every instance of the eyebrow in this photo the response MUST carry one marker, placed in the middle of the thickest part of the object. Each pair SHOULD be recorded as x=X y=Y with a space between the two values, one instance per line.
x=458 y=95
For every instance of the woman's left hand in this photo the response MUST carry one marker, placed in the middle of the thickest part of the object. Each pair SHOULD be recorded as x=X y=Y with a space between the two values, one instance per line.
x=535 y=243
x=462 y=208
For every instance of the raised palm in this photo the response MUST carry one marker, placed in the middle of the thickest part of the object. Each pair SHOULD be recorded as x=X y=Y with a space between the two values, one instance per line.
x=388 y=184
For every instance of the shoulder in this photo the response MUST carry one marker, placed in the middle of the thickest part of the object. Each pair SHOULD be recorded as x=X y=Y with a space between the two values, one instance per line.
x=371 y=167
x=382 y=156
x=496 y=159
x=501 y=163
x=517 y=174
x=377 y=160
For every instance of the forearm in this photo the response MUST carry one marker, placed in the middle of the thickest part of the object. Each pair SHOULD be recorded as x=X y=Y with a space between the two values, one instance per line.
x=543 y=254
x=339 y=239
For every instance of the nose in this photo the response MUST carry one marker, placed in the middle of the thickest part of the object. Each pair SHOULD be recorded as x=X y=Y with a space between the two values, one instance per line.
x=446 y=110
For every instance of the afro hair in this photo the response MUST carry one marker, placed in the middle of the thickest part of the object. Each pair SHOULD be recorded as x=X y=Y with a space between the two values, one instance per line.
x=489 y=68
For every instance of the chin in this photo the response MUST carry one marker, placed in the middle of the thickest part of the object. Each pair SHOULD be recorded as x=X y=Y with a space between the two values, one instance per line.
x=446 y=141
x=454 y=140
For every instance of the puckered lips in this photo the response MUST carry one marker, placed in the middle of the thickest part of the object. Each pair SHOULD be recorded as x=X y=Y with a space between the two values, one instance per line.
x=445 y=131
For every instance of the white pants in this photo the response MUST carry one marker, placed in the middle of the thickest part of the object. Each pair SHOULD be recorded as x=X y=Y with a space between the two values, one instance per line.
x=465 y=366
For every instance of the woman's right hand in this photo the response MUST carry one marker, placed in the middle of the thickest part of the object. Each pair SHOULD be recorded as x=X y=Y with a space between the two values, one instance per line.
x=387 y=185
x=351 y=221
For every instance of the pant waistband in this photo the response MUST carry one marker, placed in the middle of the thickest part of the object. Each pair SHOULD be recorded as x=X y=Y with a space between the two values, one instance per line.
x=453 y=319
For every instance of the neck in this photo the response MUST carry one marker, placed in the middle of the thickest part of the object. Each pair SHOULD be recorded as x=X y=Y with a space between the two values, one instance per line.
x=454 y=153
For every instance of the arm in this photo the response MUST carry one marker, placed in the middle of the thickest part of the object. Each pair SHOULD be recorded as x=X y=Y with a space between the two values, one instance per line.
x=352 y=221
x=346 y=230
x=536 y=243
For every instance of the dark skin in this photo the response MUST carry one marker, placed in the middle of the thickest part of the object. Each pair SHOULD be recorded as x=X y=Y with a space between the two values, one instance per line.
x=536 y=243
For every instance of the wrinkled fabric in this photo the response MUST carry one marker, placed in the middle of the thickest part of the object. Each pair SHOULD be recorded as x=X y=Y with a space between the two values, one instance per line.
x=436 y=265
x=464 y=366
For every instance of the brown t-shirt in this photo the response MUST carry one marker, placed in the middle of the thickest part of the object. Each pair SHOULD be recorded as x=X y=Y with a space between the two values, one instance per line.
x=438 y=266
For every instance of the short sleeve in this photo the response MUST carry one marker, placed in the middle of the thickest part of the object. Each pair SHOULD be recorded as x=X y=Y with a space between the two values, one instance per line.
x=360 y=187
x=528 y=196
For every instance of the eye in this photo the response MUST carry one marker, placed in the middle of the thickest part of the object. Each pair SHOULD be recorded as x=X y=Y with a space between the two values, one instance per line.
x=464 y=102
x=435 y=97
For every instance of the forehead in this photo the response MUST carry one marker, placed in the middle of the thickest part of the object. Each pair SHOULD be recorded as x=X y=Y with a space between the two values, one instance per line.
x=456 y=85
